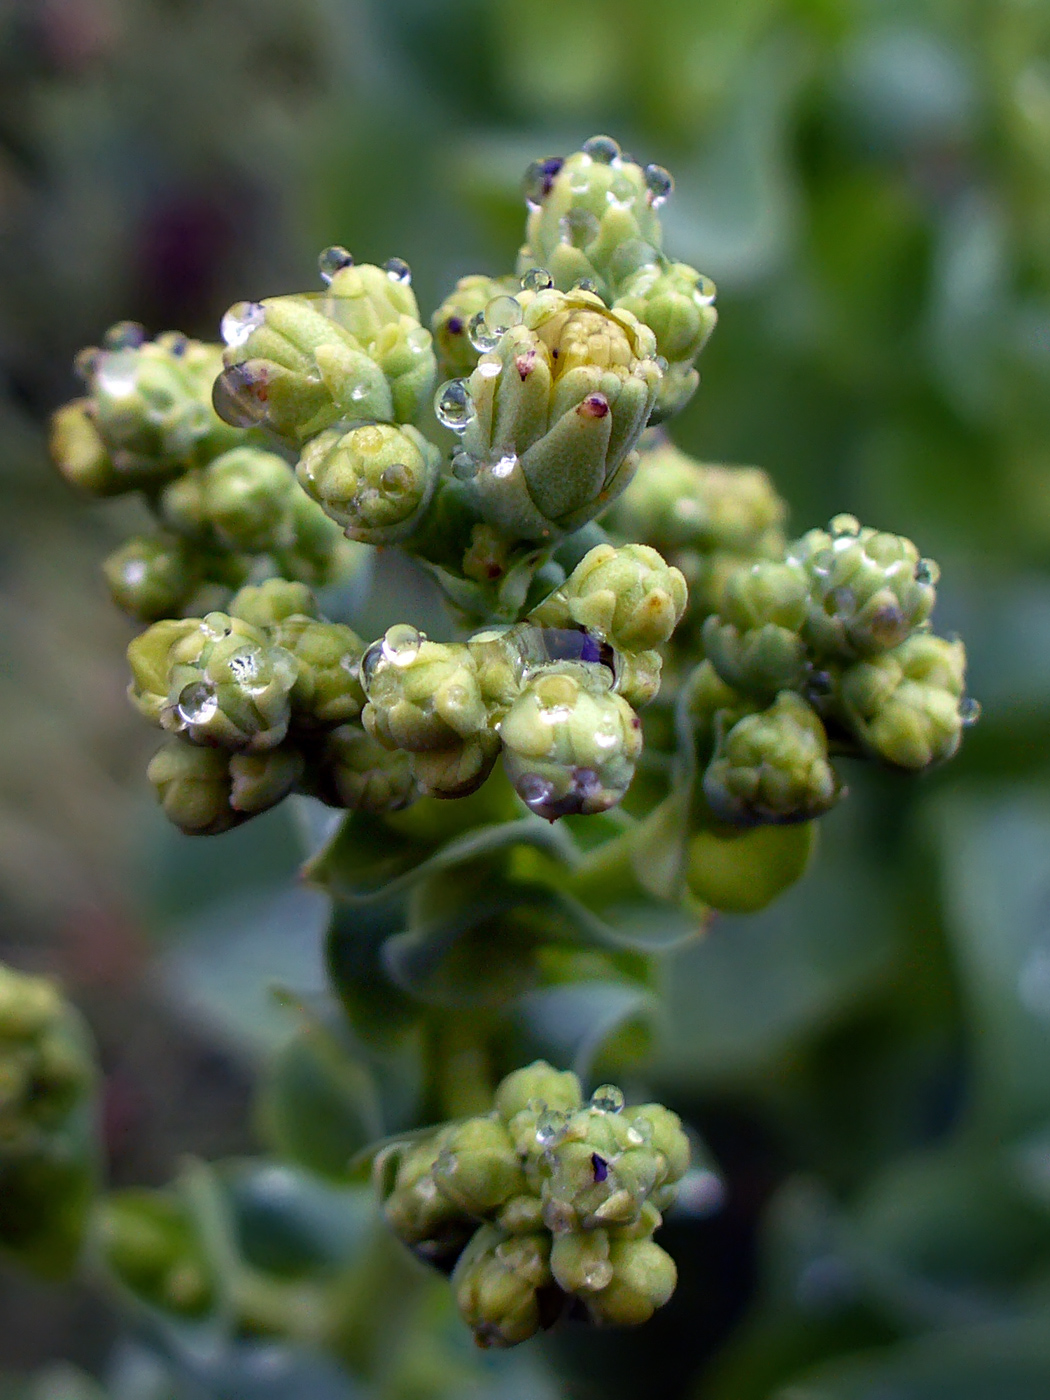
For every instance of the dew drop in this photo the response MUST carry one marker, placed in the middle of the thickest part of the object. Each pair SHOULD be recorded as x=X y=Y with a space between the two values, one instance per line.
x=579 y=227
x=333 y=260
x=607 y=1098
x=481 y=336
x=539 y=178
x=244 y=666
x=235 y=399
x=969 y=710
x=927 y=571
x=116 y=373
x=536 y=792
x=396 y=479
x=401 y=644
x=125 y=335
x=660 y=184
x=197 y=703
x=398 y=270
x=501 y=314
x=597 y=1276
x=603 y=149
x=842 y=601
x=550 y=1127
x=239 y=322
x=705 y=291
x=464 y=466
x=504 y=466
x=844 y=526
x=453 y=405
x=662 y=364
x=537 y=279
x=585 y=284
x=370 y=662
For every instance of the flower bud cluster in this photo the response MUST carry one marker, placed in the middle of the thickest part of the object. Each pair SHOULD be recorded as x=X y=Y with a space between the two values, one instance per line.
x=827 y=650
x=545 y=1203
x=148 y=1240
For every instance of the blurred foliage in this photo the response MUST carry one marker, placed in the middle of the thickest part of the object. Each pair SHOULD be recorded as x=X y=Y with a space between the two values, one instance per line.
x=869 y=185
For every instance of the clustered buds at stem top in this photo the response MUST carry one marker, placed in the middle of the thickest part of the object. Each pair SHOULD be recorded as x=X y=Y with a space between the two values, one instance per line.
x=544 y=1200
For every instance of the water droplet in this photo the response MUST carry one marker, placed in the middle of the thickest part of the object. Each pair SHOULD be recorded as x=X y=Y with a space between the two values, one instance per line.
x=133 y=573
x=607 y=1098
x=197 y=703
x=844 y=526
x=453 y=405
x=537 y=279
x=116 y=373
x=539 y=178
x=359 y=392
x=585 y=284
x=235 y=397
x=481 y=337
x=662 y=364
x=597 y=1276
x=822 y=563
x=244 y=665
x=640 y=1132
x=125 y=335
x=502 y=313
x=579 y=227
x=370 y=662
x=550 y=1127
x=969 y=710
x=660 y=184
x=842 y=601
x=464 y=466
x=705 y=291
x=536 y=792
x=927 y=571
x=603 y=149
x=333 y=260
x=401 y=644
x=398 y=270
x=490 y=369
x=239 y=322
x=504 y=466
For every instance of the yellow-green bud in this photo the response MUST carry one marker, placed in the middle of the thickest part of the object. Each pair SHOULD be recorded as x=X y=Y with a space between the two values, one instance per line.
x=478 y=1168
x=627 y=594
x=193 y=786
x=246 y=497
x=580 y=1261
x=264 y=605
x=772 y=766
x=569 y=743
x=495 y=1285
x=327 y=690
x=79 y=453
x=754 y=643
x=153 y=576
x=356 y=771
x=422 y=695
x=457 y=771
x=537 y=1087
x=451 y=322
x=677 y=302
x=643 y=1279
x=417 y=1212
x=375 y=480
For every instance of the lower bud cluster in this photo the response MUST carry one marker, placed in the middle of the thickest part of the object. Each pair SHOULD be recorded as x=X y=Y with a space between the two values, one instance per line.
x=545 y=1206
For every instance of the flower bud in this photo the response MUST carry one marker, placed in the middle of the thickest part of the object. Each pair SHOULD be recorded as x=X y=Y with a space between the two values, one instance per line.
x=375 y=481
x=451 y=321
x=246 y=496
x=153 y=576
x=266 y=604
x=415 y=1209
x=357 y=772
x=299 y=364
x=592 y=217
x=629 y=595
x=193 y=786
x=496 y=1283
x=569 y=743
x=79 y=453
x=317 y=552
x=868 y=590
x=905 y=705
x=457 y=771
x=772 y=766
x=539 y=1085
x=643 y=1279
x=580 y=1261
x=662 y=1132
x=327 y=690
x=422 y=695
x=677 y=303
x=553 y=413
x=477 y=1168
x=148 y=1241
x=754 y=644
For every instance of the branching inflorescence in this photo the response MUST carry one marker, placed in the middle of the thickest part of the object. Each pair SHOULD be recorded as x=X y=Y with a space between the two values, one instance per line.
x=630 y=633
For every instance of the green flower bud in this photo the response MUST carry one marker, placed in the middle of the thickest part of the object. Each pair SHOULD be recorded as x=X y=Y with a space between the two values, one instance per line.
x=301 y=363
x=593 y=216
x=148 y=1241
x=868 y=590
x=422 y=695
x=771 y=766
x=457 y=771
x=153 y=576
x=537 y=1087
x=258 y=781
x=246 y=499
x=264 y=605
x=375 y=481
x=628 y=595
x=550 y=416
x=906 y=707
x=79 y=453
x=580 y=1262
x=327 y=690
x=478 y=1168
x=356 y=771
x=193 y=786
x=452 y=320
x=755 y=644
x=638 y=677
x=496 y=1283
x=643 y=1279
x=677 y=303
x=662 y=1131
x=417 y=1212
x=318 y=552
x=569 y=743
x=224 y=683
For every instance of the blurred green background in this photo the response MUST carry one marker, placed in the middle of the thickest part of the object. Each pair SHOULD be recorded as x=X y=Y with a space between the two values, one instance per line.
x=869 y=185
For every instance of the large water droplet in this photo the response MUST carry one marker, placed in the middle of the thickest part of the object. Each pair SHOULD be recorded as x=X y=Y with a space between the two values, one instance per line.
x=603 y=149
x=401 y=644
x=537 y=279
x=244 y=665
x=660 y=184
x=705 y=291
x=585 y=284
x=453 y=405
x=481 y=336
x=398 y=270
x=597 y=1276
x=464 y=466
x=539 y=177
x=502 y=313
x=550 y=1127
x=927 y=571
x=235 y=397
x=125 y=335
x=579 y=227
x=116 y=373
x=239 y=322
x=969 y=710
x=844 y=526
x=197 y=703
x=607 y=1098
x=333 y=260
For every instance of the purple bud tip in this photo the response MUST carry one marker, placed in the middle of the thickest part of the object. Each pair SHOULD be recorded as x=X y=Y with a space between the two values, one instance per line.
x=454 y=325
x=601 y=1167
x=594 y=406
x=549 y=169
x=524 y=364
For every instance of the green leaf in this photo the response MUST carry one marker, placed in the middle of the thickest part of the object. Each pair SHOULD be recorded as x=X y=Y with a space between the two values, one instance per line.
x=572 y=1024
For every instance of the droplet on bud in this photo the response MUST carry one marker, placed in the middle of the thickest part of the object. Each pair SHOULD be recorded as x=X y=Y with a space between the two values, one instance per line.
x=453 y=405
x=844 y=525
x=464 y=466
x=927 y=571
x=333 y=260
x=969 y=710
x=235 y=399
x=481 y=337
x=239 y=322
x=537 y=279
x=579 y=227
x=505 y=466
x=539 y=178
x=501 y=314
x=660 y=184
x=607 y=1098
x=398 y=270
x=197 y=703
x=603 y=149
x=401 y=644
x=585 y=284
x=550 y=1127
x=705 y=291
x=125 y=335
